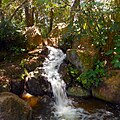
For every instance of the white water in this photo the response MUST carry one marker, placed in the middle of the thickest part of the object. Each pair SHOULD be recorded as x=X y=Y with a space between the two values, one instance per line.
x=64 y=109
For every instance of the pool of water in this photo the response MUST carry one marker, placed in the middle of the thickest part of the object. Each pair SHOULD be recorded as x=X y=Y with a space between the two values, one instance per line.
x=87 y=109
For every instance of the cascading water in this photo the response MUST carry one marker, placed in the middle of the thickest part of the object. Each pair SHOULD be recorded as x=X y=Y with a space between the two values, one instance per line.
x=64 y=109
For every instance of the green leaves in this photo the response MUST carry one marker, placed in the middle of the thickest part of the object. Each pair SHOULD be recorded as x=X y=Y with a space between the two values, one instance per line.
x=115 y=53
x=42 y=1
x=92 y=77
x=5 y=1
x=10 y=39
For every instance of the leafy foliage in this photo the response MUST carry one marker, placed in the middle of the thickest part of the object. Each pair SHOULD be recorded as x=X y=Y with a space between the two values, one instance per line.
x=115 y=53
x=25 y=72
x=11 y=38
x=90 y=78
x=66 y=42
x=100 y=22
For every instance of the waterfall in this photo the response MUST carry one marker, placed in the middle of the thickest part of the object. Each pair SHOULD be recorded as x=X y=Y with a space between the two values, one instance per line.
x=64 y=109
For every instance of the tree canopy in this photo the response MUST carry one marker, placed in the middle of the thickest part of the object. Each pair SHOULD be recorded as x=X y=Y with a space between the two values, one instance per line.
x=98 y=19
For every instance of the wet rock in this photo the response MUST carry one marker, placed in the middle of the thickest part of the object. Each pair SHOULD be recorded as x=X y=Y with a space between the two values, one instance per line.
x=109 y=90
x=17 y=86
x=33 y=101
x=73 y=57
x=101 y=114
x=36 y=84
x=14 y=108
x=78 y=91
x=4 y=84
x=63 y=70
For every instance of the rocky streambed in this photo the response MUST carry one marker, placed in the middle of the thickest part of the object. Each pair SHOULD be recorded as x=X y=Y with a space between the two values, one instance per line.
x=12 y=106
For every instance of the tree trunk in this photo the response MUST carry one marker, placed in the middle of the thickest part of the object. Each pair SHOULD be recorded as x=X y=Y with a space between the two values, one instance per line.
x=51 y=19
x=1 y=11
x=29 y=15
x=73 y=10
x=0 y=3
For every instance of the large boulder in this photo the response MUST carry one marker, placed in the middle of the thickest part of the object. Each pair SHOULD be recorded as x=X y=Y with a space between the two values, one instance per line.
x=34 y=37
x=17 y=86
x=83 y=60
x=109 y=90
x=13 y=108
x=78 y=91
x=74 y=58
x=63 y=70
x=72 y=87
x=10 y=79
x=12 y=70
x=36 y=84
x=83 y=54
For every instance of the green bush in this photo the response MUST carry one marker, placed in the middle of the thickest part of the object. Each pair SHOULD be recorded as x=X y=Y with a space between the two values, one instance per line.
x=90 y=78
x=11 y=38
x=115 y=53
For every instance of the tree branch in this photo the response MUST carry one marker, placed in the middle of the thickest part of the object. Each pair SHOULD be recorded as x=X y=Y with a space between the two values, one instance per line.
x=65 y=2
x=9 y=4
x=17 y=9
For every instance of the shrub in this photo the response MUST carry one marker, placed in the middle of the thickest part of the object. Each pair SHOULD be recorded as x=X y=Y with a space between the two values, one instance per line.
x=90 y=78
x=11 y=38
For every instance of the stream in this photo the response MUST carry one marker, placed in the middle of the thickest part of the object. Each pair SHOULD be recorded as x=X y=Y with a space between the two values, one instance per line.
x=62 y=107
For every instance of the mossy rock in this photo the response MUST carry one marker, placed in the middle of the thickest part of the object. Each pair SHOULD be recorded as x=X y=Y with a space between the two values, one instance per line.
x=83 y=60
x=109 y=90
x=78 y=91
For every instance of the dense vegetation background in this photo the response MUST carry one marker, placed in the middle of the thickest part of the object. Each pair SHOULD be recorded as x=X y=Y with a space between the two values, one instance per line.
x=96 y=19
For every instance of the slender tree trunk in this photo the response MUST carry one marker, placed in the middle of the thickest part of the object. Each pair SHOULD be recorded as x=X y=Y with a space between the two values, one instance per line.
x=73 y=10
x=117 y=15
x=29 y=15
x=51 y=20
x=1 y=11
x=0 y=3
